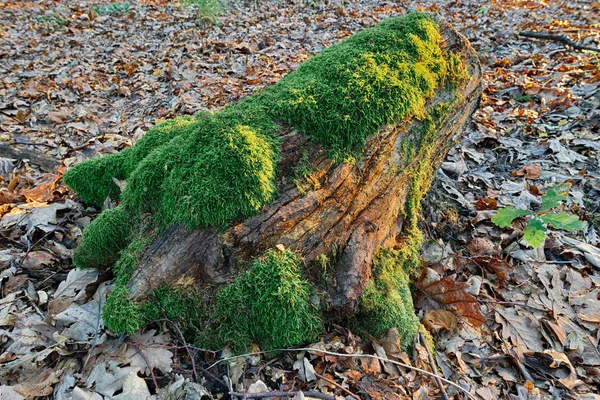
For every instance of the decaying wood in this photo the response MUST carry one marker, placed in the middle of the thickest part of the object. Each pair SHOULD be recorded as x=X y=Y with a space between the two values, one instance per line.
x=356 y=209
x=46 y=163
x=557 y=38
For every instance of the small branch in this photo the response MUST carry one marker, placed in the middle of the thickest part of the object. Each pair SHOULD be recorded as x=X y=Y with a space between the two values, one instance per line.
x=337 y=385
x=141 y=353
x=264 y=395
x=33 y=144
x=433 y=367
x=513 y=303
x=332 y=353
x=557 y=38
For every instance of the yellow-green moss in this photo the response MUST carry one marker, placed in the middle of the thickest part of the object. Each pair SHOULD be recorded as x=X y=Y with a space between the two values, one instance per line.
x=215 y=168
x=103 y=239
x=387 y=300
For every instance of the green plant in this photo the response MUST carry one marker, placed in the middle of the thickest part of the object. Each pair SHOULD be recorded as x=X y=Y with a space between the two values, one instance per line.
x=538 y=222
x=52 y=19
x=113 y=8
x=207 y=10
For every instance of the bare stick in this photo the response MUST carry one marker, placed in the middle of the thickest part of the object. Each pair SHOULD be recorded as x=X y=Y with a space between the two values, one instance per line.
x=513 y=303
x=146 y=361
x=433 y=367
x=337 y=385
x=557 y=38
x=331 y=353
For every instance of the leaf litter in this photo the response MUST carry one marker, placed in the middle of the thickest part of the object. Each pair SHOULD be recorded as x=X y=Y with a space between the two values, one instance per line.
x=510 y=322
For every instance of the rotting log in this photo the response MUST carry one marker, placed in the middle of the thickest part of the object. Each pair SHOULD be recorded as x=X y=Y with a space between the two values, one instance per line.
x=332 y=213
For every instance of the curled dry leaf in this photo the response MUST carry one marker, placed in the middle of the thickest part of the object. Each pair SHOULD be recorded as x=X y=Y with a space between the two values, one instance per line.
x=496 y=265
x=44 y=190
x=448 y=292
x=531 y=171
x=440 y=319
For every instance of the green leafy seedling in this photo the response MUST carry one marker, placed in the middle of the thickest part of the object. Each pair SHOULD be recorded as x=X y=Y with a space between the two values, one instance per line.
x=113 y=8
x=535 y=232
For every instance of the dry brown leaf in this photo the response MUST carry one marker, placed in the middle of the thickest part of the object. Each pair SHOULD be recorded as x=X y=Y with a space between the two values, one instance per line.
x=483 y=246
x=531 y=171
x=43 y=191
x=494 y=264
x=440 y=319
x=40 y=385
x=448 y=292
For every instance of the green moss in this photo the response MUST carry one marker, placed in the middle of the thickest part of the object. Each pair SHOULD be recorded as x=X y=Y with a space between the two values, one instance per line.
x=119 y=313
x=387 y=300
x=210 y=170
x=269 y=304
x=93 y=179
x=218 y=172
x=103 y=239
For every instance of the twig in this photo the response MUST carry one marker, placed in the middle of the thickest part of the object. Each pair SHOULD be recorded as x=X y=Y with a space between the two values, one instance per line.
x=513 y=303
x=191 y=357
x=337 y=385
x=33 y=144
x=331 y=353
x=264 y=395
x=557 y=38
x=29 y=248
x=433 y=367
x=146 y=361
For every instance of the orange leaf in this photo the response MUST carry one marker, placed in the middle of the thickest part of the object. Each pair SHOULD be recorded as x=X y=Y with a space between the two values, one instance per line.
x=44 y=192
x=454 y=294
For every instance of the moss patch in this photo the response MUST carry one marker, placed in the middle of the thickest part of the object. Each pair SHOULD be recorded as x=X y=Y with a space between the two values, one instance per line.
x=387 y=300
x=119 y=313
x=215 y=168
x=103 y=239
x=269 y=304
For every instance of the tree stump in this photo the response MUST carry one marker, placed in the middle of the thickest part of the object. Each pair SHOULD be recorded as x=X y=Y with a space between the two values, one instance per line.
x=327 y=167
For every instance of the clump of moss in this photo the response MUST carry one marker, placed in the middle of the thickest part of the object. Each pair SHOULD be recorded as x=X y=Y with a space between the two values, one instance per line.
x=93 y=179
x=387 y=300
x=219 y=172
x=103 y=239
x=269 y=304
x=351 y=90
x=119 y=313
x=225 y=162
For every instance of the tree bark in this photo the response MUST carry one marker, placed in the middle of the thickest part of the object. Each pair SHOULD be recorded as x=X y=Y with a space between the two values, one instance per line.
x=352 y=211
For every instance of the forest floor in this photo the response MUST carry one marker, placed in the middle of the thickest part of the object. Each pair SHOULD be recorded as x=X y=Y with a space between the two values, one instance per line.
x=79 y=79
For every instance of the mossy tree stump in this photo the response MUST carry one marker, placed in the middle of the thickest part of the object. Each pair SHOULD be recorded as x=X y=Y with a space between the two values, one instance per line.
x=328 y=166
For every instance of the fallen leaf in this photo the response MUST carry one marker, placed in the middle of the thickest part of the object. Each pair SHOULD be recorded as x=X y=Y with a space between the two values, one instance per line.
x=150 y=346
x=448 y=292
x=531 y=171
x=440 y=319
